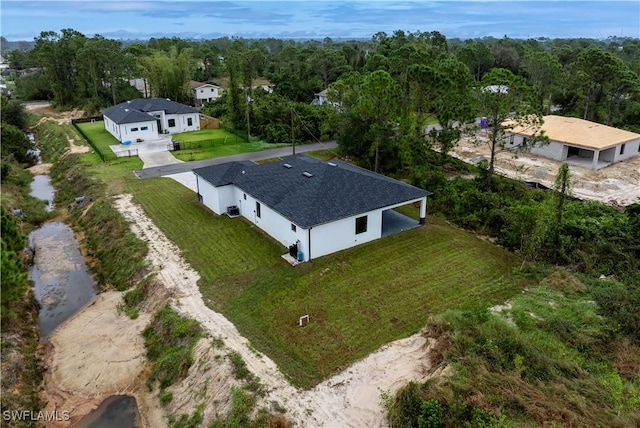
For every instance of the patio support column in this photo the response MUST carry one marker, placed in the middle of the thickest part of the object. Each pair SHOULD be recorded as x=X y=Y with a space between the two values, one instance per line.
x=596 y=155
x=423 y=210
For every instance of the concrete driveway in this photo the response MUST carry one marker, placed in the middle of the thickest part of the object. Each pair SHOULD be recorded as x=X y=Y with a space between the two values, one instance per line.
x=155 y=159
x=153 y=153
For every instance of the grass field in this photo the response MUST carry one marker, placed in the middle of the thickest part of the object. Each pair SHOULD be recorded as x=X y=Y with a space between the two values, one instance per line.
x=358 y=299
x=100 y=136
x=210 y=143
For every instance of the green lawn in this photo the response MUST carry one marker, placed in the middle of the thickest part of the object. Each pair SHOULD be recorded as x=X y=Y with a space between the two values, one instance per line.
x=209 y=134
x=357 y=299
x=211 y=143
x=100 y=136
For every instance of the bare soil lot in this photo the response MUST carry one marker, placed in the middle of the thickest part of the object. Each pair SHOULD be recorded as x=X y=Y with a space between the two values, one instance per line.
x=617 y=184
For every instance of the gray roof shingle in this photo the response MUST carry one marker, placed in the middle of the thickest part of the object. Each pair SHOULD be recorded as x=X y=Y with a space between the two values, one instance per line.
x=335 y=189
x=138 y=110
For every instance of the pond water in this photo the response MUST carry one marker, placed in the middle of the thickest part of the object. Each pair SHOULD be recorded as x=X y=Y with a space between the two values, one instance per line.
x=41 y=188
x=62 y=281
x=117 y=411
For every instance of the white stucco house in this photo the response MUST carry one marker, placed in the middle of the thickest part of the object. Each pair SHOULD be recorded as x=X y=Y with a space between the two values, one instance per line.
x=319 y=98
x=579 y=141
x=317 y=206
x=147 y=118
x=204 y=92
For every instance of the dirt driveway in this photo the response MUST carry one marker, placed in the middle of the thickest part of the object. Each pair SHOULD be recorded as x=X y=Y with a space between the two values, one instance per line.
x=617 y=184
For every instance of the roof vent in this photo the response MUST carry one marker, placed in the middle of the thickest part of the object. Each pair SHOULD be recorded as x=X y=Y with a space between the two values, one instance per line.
x=307 y=174
x=286 y=165
x=333 y=164
x=126 y=109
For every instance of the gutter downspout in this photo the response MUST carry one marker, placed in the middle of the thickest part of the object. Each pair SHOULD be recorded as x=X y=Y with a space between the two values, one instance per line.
x=310 y=243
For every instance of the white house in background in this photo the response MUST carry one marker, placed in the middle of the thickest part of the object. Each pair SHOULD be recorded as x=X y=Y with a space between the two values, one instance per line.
x=580 y=142
x=320 y=207
x=204 y=92
x=147 y=118
x=319 y=98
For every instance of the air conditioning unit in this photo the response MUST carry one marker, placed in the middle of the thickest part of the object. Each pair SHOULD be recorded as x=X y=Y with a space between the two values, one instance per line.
x=233 y=211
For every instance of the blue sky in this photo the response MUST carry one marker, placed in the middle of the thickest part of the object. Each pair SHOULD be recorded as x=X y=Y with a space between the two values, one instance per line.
x=24 y=19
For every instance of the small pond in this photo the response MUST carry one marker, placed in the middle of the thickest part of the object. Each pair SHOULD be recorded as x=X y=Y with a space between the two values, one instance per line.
x=41 y=188
x=62 y=282
x=117 y=411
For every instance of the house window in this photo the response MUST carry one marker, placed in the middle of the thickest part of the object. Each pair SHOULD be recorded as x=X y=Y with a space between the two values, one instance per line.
x=144 y=128
x=361 y=225
x=524 y=141
x=293 y=227
x=189 y=121
x=202 y=91
x=244 y=195
x=257 y=209
x=134 y=129
x=172 y=123
x=512 y=139
x=622 y=148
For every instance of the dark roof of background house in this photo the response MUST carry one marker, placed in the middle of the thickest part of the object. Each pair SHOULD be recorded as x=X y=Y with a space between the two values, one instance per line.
x=138 y=110
x=335 y=189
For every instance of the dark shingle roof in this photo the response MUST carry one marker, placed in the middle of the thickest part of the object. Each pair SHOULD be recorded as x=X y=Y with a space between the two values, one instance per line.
x=335 y=189
x=137 y=110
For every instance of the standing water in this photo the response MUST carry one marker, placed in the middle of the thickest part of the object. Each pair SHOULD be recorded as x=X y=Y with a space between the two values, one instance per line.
x=41 y=188
x=62 y=282
x=116 y=411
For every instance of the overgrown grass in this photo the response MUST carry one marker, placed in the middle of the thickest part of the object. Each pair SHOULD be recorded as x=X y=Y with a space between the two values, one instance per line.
x=170 y=339
x=391 y=286
x=116 y=254
x=543 y=360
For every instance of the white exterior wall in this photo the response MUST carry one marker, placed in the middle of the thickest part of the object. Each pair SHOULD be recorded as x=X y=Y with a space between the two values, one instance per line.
x=325 y=238
x=631 y=149
x=111 y=127
x=133 y=131
x=558 y=151
x=553 y=150
x=206 y=93
x=341 y=234
x=217 y=199
x=270 y=221
x=181 y=122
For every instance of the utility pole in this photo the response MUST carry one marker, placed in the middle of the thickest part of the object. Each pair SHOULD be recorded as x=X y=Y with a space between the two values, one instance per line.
x=293 y=140
x=247 y=92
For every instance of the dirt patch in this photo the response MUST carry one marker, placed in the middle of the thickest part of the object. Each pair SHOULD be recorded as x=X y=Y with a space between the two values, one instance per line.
x=617 y=184
x=349 y=399
x=97 y=353
x=41 y=169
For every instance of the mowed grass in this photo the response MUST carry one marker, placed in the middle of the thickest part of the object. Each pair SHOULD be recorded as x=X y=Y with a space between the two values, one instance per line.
x=209 y=134
x=99 y=136
x=211 y=143
x=357 y=299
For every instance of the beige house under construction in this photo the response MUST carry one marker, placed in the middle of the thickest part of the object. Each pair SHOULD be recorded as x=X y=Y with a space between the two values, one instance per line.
x=579 y=142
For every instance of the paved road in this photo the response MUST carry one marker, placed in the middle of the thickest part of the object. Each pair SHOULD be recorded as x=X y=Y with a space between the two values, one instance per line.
x=254 y=156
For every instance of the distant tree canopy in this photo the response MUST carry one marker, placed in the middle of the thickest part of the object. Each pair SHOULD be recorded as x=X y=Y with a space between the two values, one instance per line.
x=593 y=79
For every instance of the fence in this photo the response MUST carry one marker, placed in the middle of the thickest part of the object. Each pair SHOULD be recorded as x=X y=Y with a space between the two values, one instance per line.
x=103 y=156
x=202 y=144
